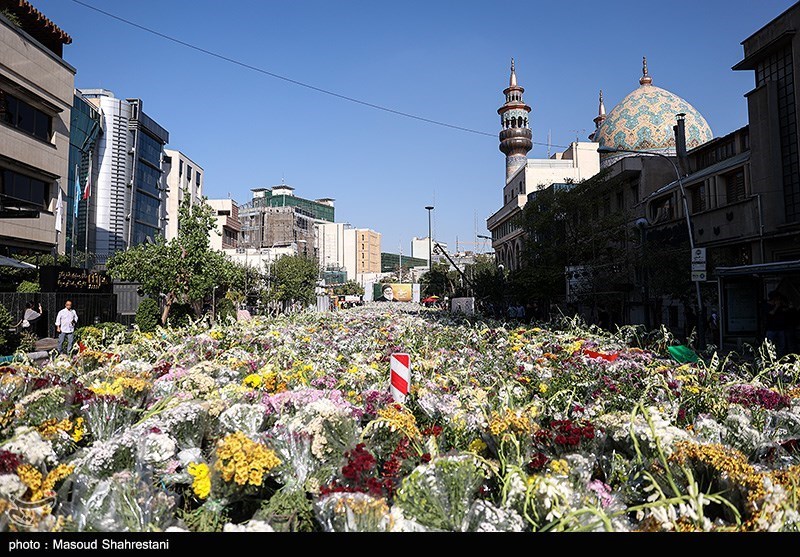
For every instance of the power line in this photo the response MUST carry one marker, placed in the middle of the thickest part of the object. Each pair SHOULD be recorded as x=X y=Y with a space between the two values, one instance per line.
x=284 y=78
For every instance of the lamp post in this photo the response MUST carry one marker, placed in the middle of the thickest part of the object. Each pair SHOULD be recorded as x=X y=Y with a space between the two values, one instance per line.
x=429 y=208
x=701 y=330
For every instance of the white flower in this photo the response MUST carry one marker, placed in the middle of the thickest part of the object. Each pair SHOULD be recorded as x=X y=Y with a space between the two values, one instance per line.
x=11 y=486
x=246 y=418
x=249 y=526
x=27 y=442
x=157 y=448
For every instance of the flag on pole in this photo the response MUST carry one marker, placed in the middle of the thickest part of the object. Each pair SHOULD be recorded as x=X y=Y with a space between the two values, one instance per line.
x=77 y=190
x=87 y=191
x=59 y=209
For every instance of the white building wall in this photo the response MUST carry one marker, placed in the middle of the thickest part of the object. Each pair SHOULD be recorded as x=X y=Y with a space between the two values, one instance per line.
x=330 y=238
x=110 y=195
x=178 y=183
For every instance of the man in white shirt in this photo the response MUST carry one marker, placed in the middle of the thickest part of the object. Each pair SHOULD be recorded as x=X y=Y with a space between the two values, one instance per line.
x=65 y=327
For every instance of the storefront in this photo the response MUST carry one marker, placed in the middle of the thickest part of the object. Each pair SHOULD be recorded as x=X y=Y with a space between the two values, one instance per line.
x=742 y=293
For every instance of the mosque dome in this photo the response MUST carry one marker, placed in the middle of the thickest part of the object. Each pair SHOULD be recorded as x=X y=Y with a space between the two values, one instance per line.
x=643 y=121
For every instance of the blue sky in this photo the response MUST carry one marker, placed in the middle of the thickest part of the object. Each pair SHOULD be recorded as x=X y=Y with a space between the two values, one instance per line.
x=446 y=61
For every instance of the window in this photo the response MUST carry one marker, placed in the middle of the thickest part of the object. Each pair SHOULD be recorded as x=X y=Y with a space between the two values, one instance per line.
x=734 y=186
x=661 y=210
x=607 y=205
x=188 y=172
x=24 y=190
x=19 y=114
x=180 y=169
x=620 y=201
x=778 y=67
x=197 y=176
x=148 y=179
x=150 y=149
x=635 y=193
x=223 y=213
x=699 y=198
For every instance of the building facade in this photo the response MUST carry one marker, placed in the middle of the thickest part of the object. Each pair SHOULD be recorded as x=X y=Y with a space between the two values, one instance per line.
x=36 y=96
x=228 y=229
x=276 y=216
x=127 y=204
x=85 y=129
x=523 y=175
x=183 y=177
x=362 y=252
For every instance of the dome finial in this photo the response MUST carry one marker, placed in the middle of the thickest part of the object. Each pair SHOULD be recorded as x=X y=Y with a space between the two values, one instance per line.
x=601 y=115
x=512 y=82
x=645 y=79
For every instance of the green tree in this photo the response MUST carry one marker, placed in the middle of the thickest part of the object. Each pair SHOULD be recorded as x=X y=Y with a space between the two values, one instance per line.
x=350 y=287
x=440 y=280
x=294 y=279
x=185 y=269
x=147 y=315
x=571 y=226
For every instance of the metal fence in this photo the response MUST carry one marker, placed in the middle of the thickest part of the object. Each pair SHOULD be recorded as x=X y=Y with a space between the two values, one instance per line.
x=91 y=308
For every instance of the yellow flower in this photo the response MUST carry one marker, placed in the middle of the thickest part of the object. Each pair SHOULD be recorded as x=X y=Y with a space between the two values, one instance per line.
x=217 y=335
x=244 y=461
x=201 y=484
x=40 y=487
x=77 y=430
x=477 y=446
x=559 y=467
x=400 y=418
x=253 y=381
x=542 y=388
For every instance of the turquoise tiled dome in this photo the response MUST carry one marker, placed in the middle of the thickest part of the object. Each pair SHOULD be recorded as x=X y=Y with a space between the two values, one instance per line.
x=643 y=121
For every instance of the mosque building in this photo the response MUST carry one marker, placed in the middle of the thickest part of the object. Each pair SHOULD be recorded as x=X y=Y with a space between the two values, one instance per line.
x=644 y=121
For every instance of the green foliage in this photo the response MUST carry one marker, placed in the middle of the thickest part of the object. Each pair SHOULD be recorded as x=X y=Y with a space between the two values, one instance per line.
x=148 y=315
x=6 y=320
x=288 y=510
x=27 y=342
x=440 y=280
x=28 y=286
x=226 y=309
x=179 y=315
x=573 y=225
x=349 y=288
x=294 y=279
x=101 y=334
x=185 y=269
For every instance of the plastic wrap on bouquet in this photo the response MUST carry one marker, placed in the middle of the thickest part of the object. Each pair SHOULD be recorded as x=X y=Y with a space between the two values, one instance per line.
x=299 y=468
x=126 y=502
x=105 y=416
x=353 y=512
x=439 y=494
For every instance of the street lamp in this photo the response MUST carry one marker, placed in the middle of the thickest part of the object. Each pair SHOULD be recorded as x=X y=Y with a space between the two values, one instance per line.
x=701 y=332
x=429 y=208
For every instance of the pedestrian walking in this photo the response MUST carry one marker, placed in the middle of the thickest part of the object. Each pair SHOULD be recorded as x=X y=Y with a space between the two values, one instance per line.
x=66 y=320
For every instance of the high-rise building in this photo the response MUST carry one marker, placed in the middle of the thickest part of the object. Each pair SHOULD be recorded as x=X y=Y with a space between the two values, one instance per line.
x=36 y=95
x=127 y=204
x=183 y=177
x=84 y=131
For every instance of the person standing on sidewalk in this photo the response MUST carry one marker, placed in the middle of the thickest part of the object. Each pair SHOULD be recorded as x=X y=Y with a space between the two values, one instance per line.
x=66 y=320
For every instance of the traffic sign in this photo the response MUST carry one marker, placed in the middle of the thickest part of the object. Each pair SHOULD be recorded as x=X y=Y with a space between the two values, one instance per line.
x=698 y=276
x=699 y=255
x=699 y=266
